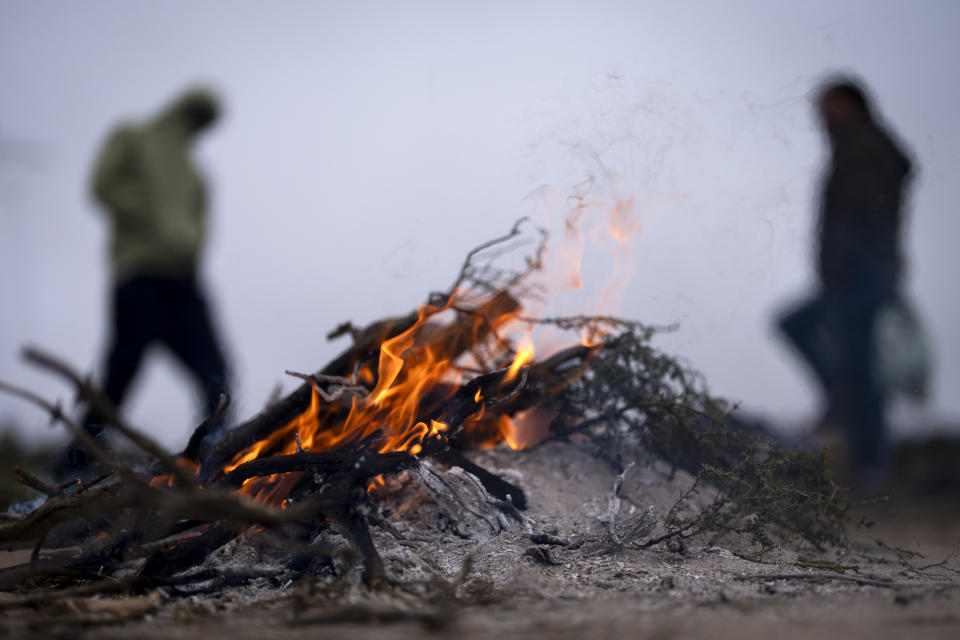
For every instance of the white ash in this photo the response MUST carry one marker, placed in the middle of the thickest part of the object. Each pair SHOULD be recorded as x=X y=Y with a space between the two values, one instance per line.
x=569 y=493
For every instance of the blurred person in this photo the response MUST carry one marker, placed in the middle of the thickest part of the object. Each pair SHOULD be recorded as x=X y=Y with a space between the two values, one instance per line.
x=155 y=202
x=859 y=265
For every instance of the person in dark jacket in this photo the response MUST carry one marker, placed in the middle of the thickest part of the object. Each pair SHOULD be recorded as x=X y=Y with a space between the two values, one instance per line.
x=860 y=261
x=155 y=201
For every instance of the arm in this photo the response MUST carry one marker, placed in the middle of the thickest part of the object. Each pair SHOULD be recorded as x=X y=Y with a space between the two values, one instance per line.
x=117 y=182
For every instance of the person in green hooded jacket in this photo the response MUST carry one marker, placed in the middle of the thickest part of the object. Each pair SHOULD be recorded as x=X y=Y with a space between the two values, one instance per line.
x=155 y=202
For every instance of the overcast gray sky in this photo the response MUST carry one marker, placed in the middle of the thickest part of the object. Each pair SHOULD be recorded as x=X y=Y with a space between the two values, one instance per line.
x=368 y=145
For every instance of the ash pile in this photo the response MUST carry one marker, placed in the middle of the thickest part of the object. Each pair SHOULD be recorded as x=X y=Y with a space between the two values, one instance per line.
x=431 y=464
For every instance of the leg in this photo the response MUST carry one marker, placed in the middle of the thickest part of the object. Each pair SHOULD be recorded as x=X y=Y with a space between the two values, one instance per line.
x=135 y=307
x=807 y=328
x=133 y=313
x=866 y=426
x=189 y=334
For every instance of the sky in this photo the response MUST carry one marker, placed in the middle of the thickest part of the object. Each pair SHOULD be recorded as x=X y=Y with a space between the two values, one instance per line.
x=367 y=146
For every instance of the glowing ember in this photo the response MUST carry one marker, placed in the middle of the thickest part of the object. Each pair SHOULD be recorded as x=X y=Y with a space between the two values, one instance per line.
x=167 y=480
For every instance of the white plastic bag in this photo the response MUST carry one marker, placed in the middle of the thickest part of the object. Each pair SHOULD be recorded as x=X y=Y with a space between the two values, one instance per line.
x=903 y=351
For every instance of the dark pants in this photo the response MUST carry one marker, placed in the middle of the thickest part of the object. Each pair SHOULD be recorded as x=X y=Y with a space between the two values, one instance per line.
x=147 y=310
x=834 y=331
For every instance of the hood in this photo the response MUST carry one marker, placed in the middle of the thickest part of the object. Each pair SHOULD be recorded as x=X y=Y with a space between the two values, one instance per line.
x=193 y=111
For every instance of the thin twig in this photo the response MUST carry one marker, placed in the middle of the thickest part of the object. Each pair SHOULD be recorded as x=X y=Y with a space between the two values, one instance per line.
x=102 y=406
x=341 y=386
x=27 y=479
x=91 y=445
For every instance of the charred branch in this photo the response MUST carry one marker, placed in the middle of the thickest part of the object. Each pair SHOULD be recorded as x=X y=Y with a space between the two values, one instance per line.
x=180 y=557
x=192 y=450
x=365 y=348
x=329 y=464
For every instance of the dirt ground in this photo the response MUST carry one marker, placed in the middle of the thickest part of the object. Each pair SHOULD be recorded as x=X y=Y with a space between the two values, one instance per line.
x=520 y=589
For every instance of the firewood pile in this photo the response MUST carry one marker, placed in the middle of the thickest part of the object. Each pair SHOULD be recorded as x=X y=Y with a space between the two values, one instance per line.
x=316 y=471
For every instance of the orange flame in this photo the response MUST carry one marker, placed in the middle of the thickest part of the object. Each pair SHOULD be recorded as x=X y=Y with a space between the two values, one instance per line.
x=422 y=366
x=415 y=364
x=524 y=356
x=526 y=429
x=168 y=480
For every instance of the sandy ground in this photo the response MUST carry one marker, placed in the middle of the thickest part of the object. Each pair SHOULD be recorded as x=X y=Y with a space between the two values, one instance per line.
x=517 y=589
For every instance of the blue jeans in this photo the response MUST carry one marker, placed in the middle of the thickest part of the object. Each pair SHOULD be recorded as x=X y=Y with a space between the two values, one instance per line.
x=834 y=331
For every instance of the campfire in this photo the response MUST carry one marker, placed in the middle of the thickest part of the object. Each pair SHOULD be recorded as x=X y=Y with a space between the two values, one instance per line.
x=389 y=425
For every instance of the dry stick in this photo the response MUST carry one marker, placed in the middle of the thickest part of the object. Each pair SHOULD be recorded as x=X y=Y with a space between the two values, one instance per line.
x=342 y=385
x=338 y=505
x=57 y=567
x=172 y=559
x=110 y=586
x=101 y=405
x=367 y=466
x=514 y=232
x=521 y=384
x=341 y=381
x=57 y=414
x=27 y=479
x=192 y=449
x=534 y=381
x=356 y=528
x=90 y=506
x=613 y=506
x=943 y=563
x=105 y=587
x=208 y=505
x=35 y=554
x=219 y=504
